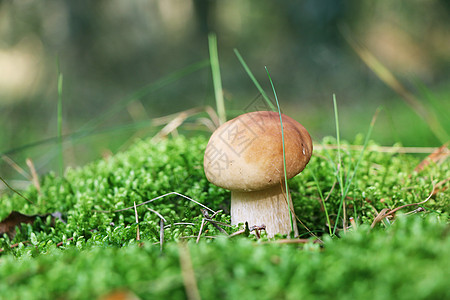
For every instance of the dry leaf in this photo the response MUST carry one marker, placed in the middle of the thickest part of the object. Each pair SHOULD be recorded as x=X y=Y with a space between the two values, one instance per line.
x=438 y=156
x=119 y=295
x=15 y=218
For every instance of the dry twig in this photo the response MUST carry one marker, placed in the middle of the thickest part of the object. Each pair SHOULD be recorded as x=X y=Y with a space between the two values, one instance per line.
x=161 y=226
x=15 y=191
x=34 y=176
x=250 y=229
x=154 y=199
x=385 y=212
x=16 y=167
x=138 y=237
x=293 y=241
x=161 y=233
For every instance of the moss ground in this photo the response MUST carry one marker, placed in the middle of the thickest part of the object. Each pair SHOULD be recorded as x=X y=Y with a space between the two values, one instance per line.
x=95 y=250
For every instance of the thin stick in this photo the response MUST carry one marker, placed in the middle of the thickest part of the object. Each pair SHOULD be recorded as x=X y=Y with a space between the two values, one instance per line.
x=174 y=124
x=200 y=232
x=309 y=231
x=213 y=222
x=3 y=180
x=386 y=212
x=154 y=199
x=138 y=237
x=253 y=228
x=194 y=236
x=16 y=167
x=213 y=116
x=161 y=226
x=34 y=176
x=417 y=210
x=180 y=223
x=161 y=233
x=157 y=213
x=215 y=214
x=293 y=241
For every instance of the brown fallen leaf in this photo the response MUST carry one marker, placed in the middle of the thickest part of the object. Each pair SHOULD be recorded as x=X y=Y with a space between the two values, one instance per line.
x=437 y=157
x=119 y=295
x=15 y=218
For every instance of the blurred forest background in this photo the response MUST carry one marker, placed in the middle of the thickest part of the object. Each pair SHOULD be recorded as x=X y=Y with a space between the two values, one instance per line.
x=108 y=51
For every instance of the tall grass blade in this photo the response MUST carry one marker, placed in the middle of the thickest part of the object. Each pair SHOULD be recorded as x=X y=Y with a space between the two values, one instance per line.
x=255 y=82
x=439 y=108
x=348 y=182
x=217 y=81
x=284 y=152
x=339 y=166
x=59 y=125
x=146 y=90
x=390 y=80
x=366 y=142
x=323 y=201
x=91 y=127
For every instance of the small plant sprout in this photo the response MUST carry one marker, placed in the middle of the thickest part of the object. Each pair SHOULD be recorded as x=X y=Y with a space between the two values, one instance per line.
x=245 y=156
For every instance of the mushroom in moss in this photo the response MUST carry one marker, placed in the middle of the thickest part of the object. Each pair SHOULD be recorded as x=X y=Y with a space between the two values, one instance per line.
x=245 y=156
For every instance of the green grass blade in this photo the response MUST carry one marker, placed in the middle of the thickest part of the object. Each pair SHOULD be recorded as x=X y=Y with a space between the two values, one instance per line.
x=255 y=82
x=339 y=166
x=284 y=152
x=91 y=126
x=436 y=106
x=349 y=179
x=59 y=125
x=386 y=76
x=338 y=139
x=77 y=135
x=217 y=81
x=366 y=141
x=323 y=201
x=148 y=89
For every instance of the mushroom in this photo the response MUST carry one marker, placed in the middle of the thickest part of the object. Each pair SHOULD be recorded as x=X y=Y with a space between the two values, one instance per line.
x=245 y=156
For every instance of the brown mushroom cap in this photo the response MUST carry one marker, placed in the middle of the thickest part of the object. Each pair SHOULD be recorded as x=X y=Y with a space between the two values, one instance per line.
x=246 y=153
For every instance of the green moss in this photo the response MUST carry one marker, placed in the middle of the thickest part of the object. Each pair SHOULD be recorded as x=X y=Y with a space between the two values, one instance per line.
x=409 y=261
x=96 y=252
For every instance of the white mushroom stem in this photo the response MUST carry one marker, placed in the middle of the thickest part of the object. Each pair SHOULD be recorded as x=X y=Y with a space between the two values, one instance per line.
x=268 y=207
